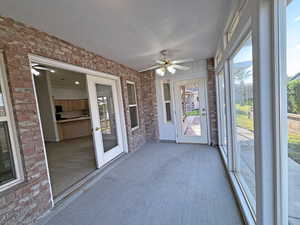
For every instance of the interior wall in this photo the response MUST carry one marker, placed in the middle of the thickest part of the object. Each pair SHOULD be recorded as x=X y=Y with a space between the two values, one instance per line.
x=46 y=106
x=17 y=41
x=167 y=131
x=64 y=87
x=69 y=93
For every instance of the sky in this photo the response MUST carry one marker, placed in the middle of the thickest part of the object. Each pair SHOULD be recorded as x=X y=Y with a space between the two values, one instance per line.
x=293 y=38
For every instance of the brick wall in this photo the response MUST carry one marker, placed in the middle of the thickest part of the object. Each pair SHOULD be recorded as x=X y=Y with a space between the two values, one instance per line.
x=212 y=101
x=150 y=106
x=27 y=201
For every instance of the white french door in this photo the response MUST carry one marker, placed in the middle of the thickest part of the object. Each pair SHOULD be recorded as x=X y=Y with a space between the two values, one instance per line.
x=191 y=111
x=106 y=118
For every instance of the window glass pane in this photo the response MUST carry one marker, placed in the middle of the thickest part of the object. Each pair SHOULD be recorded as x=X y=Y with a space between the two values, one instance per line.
x=242 y=84
x=167 y=92
x=7 y=172
x=133 y=116
x=293 y=108
x=168 y=111
x=222 y=109
x=131 y=94
x=2 y=108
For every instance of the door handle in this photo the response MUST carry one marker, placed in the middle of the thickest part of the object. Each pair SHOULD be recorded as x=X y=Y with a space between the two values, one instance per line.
x=97 y=128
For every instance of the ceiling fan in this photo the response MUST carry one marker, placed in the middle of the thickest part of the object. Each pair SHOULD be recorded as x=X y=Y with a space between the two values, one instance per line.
x=164 y=65
x=36 y=67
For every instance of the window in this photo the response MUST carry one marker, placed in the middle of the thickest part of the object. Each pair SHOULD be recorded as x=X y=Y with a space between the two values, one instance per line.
x=293 y=109
x=10 y=164
x=133 y=108
x=243 y=119
x=167 y=101
x=222 y=114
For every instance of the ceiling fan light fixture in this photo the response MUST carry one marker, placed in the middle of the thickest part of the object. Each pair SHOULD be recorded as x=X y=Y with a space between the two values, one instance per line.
x=161 y=71
x=171 y=69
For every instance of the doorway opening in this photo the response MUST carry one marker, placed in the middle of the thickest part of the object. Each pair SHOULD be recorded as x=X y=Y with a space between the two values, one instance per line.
x=66 y=123
x=191 y=108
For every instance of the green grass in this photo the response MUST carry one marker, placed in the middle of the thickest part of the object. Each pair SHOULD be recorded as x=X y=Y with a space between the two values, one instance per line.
x=294 y=147
x=243 y=121
x=195 y=112
x=242 y=118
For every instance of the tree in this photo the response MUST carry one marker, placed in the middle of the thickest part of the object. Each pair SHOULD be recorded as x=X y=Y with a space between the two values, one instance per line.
x=293 y=93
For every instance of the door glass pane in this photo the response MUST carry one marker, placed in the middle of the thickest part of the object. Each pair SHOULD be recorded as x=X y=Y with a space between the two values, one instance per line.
x=107 y=116
x=243 y=112
x=168 y=111
x=190 y=103
x=7 y=172
x=293 y=108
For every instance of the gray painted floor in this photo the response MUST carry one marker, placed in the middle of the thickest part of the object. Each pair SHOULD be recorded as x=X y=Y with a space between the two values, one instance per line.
x=161 y=184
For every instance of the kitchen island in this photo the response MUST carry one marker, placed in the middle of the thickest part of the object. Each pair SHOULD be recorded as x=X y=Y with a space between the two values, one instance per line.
x=74 y=127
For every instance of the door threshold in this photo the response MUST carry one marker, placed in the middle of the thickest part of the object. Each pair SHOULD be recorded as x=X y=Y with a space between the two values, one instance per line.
x=86 y=181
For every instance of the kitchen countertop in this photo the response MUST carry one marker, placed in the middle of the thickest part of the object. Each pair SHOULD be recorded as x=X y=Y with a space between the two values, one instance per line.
x=73 y=119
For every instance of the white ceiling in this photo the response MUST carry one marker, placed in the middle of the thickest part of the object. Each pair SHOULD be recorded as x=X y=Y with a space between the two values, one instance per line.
x=131 y=32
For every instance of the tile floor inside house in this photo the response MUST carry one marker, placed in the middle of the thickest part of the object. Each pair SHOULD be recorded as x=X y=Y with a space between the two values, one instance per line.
x=69 y=162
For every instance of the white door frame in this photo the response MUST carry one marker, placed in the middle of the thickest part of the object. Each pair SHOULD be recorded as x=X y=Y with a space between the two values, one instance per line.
x=67 y=66
x=177 y=113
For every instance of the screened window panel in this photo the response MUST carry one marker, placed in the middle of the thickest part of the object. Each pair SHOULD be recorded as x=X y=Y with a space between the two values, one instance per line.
x=242 y=84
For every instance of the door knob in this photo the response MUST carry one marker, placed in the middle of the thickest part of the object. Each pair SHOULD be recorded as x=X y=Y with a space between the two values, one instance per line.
x=97 y=128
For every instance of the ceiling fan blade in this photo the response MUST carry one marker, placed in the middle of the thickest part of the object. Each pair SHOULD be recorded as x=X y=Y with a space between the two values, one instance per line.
x=182 y=61
x=40 y=68
x=44 y=68
x=150 y=68
x=160 y=62
x=179 y=67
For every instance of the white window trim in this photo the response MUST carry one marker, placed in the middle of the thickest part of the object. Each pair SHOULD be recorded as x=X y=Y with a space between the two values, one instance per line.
x=18 y=167
x=164 y=101
x=134 y=105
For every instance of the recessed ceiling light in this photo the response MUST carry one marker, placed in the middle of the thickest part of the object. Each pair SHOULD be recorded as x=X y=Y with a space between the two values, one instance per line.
x=77 y=82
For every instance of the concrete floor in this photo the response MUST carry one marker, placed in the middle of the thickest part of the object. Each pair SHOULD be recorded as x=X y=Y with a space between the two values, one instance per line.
x=161 y=184
x=69 y=162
